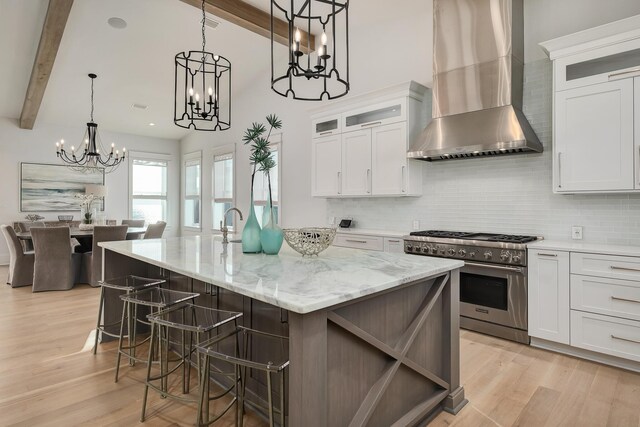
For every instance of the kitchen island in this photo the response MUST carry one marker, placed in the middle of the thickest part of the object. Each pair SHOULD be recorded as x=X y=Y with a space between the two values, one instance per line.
x=373 y=336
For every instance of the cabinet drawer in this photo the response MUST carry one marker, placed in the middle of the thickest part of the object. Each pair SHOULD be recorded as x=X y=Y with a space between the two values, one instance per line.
x=604 y=334
x=394 y=244
x=372 y=243
x=612 y=297
x=615 y=267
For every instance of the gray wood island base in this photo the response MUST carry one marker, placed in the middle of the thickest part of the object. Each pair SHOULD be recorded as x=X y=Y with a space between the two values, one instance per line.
x=373 y=337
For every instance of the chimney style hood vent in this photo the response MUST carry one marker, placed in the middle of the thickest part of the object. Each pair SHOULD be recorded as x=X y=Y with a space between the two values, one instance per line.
x=478 y=58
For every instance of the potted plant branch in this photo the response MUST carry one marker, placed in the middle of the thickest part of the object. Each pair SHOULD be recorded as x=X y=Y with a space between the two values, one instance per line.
x=269 y=238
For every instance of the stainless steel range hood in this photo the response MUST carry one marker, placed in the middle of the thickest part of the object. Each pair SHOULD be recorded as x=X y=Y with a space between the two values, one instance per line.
x=478 y=57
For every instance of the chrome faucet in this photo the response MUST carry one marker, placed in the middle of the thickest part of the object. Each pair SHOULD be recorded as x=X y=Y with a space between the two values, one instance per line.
x=223 y=224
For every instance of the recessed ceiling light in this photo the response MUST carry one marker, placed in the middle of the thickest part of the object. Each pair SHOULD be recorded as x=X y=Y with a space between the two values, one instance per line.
x=139 y=106
x=117 y=23
x=152 y=124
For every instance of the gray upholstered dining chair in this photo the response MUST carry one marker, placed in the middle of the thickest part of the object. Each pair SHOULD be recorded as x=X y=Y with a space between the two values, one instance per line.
x=20 y=262
x=25 y=226
x=155 y=231
x=133 y=222
x=54 y=267
x=92 y=261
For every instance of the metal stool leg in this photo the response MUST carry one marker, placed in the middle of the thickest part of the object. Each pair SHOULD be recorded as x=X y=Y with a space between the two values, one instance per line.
x=282 y=419
x=270 y=398
x=95 y=344
x=133 y=327
x=149 y=362
x=124 y=313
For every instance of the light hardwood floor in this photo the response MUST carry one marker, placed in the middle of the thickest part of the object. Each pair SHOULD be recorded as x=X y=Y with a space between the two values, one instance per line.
x=49 y=377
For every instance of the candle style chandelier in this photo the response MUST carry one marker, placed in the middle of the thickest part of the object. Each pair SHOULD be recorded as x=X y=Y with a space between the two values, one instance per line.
x=303 y=73
x=87 y=157
x=198 y=73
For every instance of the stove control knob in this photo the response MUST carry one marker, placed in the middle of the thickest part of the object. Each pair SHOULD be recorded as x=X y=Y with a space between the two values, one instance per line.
x=440 y=250
x=451 y=252
x=424 y=249
x=516 y=258
x=488 y=255
x=505 y=255
x=472 y=254
x=462 y=252
x=409 y=248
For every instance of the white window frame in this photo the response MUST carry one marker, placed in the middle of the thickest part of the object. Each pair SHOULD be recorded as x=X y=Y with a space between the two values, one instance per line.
x=276 y=142
x=141 y=155
x=189 y=159
x=220 y=151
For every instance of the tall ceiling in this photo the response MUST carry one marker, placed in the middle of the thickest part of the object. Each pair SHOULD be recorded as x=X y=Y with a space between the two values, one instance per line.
x=134 y=65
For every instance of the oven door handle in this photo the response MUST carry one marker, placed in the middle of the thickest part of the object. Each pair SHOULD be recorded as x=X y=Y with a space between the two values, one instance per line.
x=498 y=267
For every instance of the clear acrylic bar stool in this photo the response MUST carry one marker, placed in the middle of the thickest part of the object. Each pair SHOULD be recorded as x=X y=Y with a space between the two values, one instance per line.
x=194 y=324
x=157 y=299
x=248 y=350
x=126 y=284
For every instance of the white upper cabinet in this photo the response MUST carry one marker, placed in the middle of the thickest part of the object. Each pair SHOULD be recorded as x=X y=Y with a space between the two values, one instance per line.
x=327 y=165
x=594 y=137
x=596 y=103
x=356 y=163
x=374 y=131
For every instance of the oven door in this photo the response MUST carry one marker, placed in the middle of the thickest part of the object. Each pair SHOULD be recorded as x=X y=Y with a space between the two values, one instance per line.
x=494 y=293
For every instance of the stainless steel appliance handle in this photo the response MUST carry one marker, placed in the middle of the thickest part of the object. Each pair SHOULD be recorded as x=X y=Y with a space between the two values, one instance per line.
x=370 y=124
x=613 y=297
x=615 y=267
x=559 y=169
x=498 y=267
x=622 y=73
x=624 y=339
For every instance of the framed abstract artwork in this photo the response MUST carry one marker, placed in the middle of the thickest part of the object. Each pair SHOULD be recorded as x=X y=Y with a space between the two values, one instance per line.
x=49 y=188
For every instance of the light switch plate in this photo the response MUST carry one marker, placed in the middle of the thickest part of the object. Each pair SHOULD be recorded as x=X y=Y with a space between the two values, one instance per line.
x=576 y=232
x=416 y=225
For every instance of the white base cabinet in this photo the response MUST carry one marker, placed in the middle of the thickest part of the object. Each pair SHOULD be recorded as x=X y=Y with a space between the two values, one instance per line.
x=549 y=295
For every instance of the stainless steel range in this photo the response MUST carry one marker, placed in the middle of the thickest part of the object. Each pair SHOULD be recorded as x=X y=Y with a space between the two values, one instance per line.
x=493 y=282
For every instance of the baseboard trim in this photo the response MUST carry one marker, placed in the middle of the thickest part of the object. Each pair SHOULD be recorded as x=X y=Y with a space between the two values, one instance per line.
x=605 y=359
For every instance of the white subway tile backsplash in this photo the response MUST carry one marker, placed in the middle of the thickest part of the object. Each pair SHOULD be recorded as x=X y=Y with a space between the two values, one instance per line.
x=508 y=194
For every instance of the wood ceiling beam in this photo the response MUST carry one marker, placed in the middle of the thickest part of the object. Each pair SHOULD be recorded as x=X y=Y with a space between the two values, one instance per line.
x=52 y=30
x=253 y=19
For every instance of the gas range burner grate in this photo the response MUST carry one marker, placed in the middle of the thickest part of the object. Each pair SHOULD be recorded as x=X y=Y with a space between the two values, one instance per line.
x=442 y=234
x=508 y=238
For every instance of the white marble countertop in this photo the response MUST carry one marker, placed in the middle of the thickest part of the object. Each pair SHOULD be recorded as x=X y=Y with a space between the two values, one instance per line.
x=288 y=280
x=578 y=246
x=367 y=232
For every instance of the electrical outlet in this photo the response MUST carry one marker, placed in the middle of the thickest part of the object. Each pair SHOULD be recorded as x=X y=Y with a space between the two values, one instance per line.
x=332 y=220
x=416 y=225
x=576 y=232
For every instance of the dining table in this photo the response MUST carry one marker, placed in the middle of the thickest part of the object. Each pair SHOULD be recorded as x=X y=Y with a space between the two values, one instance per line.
x=84 y=237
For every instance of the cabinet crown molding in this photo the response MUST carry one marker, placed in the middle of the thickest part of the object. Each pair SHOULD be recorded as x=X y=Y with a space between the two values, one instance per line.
x=593 y=38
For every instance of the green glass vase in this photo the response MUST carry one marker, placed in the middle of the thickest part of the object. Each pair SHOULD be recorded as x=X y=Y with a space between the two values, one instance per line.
x=251 y=232
x=271 y=235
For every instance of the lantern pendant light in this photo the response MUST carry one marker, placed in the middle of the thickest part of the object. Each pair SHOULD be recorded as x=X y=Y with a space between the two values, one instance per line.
x=300 y=70
x=202 y=89
x=90 y=156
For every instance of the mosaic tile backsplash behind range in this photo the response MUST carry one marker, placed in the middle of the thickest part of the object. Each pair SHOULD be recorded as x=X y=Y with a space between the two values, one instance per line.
x=505 y=194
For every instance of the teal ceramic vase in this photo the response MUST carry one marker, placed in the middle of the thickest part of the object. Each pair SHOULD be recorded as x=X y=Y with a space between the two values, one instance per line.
x=271 y=235
x=251 y=232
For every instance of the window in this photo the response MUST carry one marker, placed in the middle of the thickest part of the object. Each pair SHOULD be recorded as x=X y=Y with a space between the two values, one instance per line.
x=223 y=190
x=192 y=167
x=148 y=188
x=261 y=188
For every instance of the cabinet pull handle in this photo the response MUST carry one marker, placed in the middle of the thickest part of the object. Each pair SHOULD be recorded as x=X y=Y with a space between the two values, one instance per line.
x=393 y=241
x=622 y=73
x=339 y=182
x=559 y=169
x=613 y=297
x=370 y=124
x=615 y=267
x=404 y=190
x=624 y=339
x=355 y=241
x=325 y=133
x=368 y=181
x=549 y=255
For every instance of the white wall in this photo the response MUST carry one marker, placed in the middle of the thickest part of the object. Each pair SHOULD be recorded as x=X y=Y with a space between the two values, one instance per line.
x=38 y=145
